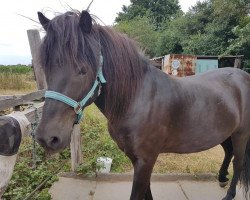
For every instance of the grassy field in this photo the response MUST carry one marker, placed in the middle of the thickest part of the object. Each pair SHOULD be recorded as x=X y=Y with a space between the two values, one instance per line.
x=96 y=142
x=16 y=80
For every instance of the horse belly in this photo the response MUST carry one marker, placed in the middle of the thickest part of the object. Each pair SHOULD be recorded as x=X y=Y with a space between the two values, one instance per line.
x=197 y=142
x=193 y=145
x=201 y=130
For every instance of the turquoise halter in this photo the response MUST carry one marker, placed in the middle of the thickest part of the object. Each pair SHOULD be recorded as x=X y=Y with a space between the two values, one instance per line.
x=78 y=106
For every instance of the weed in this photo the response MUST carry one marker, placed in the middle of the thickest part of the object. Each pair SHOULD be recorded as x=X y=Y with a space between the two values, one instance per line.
x=25 y=179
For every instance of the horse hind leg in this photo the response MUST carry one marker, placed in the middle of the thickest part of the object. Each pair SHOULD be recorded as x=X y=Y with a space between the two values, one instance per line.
x=240 y=144
x=245 y=175
x=228 y=149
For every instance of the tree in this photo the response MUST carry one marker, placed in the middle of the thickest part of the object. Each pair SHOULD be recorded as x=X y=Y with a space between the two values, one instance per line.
x=198 y=17
x=241 y=45
x=158 y=11
x=171 y=37
x=184 y=34
x=211 y=27
x=130 y=12
x=141 y=30
x=207 y=29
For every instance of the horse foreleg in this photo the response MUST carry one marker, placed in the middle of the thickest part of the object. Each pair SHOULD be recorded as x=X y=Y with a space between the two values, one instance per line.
x=228 y=149
x=141 y=183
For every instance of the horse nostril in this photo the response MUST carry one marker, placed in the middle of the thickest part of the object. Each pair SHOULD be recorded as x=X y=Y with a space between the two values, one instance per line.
x=54 y=142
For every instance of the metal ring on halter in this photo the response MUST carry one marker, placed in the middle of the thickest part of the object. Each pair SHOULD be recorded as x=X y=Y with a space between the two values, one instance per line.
x=78 y=109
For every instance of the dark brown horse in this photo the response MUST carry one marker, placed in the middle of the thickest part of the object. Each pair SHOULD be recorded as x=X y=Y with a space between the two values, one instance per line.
x=148 y=111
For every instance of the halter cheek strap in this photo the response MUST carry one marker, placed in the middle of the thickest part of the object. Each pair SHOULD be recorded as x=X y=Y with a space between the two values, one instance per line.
x=78 y=106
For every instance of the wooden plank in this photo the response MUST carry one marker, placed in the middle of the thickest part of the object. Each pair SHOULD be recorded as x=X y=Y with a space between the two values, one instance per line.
x=35 y=42
x=15 y=100
x=75 y=147
x=4 y=97
x=31 y=112
x=35 y=95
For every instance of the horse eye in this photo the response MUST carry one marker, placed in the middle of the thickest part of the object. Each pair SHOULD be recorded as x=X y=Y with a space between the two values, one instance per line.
x=82 y=71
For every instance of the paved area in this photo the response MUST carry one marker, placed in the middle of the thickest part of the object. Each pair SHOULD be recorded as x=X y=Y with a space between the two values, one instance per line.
x=119 y=188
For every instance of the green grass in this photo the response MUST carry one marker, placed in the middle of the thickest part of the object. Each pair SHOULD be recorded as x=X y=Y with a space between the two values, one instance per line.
x=17 y=69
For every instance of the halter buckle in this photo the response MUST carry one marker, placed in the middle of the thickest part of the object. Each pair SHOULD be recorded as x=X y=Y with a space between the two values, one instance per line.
x=78 y=109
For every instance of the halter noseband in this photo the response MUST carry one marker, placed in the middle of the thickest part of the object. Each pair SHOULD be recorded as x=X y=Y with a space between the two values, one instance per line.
x=78 y=106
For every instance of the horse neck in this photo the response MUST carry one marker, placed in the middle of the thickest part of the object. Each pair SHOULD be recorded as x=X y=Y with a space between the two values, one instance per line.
x=123 y=68
x=106 y=102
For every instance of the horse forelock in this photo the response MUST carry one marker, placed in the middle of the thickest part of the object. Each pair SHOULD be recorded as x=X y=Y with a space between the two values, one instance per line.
x=65 y=45
x=123 y=68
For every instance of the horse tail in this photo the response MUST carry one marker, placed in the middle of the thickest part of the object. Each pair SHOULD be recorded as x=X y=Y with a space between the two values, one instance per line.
x=245 y=174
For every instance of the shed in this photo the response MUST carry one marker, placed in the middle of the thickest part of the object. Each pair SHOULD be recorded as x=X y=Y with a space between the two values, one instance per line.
x=186 y=65
x=158 y=62
x=206 y=63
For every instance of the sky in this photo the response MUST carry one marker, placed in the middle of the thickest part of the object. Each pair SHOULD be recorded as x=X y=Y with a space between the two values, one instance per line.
x=14 y=46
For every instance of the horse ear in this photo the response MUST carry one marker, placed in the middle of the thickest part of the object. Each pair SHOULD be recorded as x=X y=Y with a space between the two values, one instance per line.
x=43 y=20
x=85 y=22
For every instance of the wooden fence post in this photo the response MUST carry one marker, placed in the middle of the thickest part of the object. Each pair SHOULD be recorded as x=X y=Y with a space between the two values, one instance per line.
x=75 y=147
x=35 y=42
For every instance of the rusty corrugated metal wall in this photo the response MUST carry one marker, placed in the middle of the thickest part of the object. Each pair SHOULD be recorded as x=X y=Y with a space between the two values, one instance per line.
x=179 y=65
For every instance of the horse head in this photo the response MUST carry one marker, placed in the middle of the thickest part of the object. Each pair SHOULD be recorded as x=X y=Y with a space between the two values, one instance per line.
x=70 y=54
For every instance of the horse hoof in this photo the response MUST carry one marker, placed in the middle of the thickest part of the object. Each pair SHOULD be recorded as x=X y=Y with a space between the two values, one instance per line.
x=223 y=184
